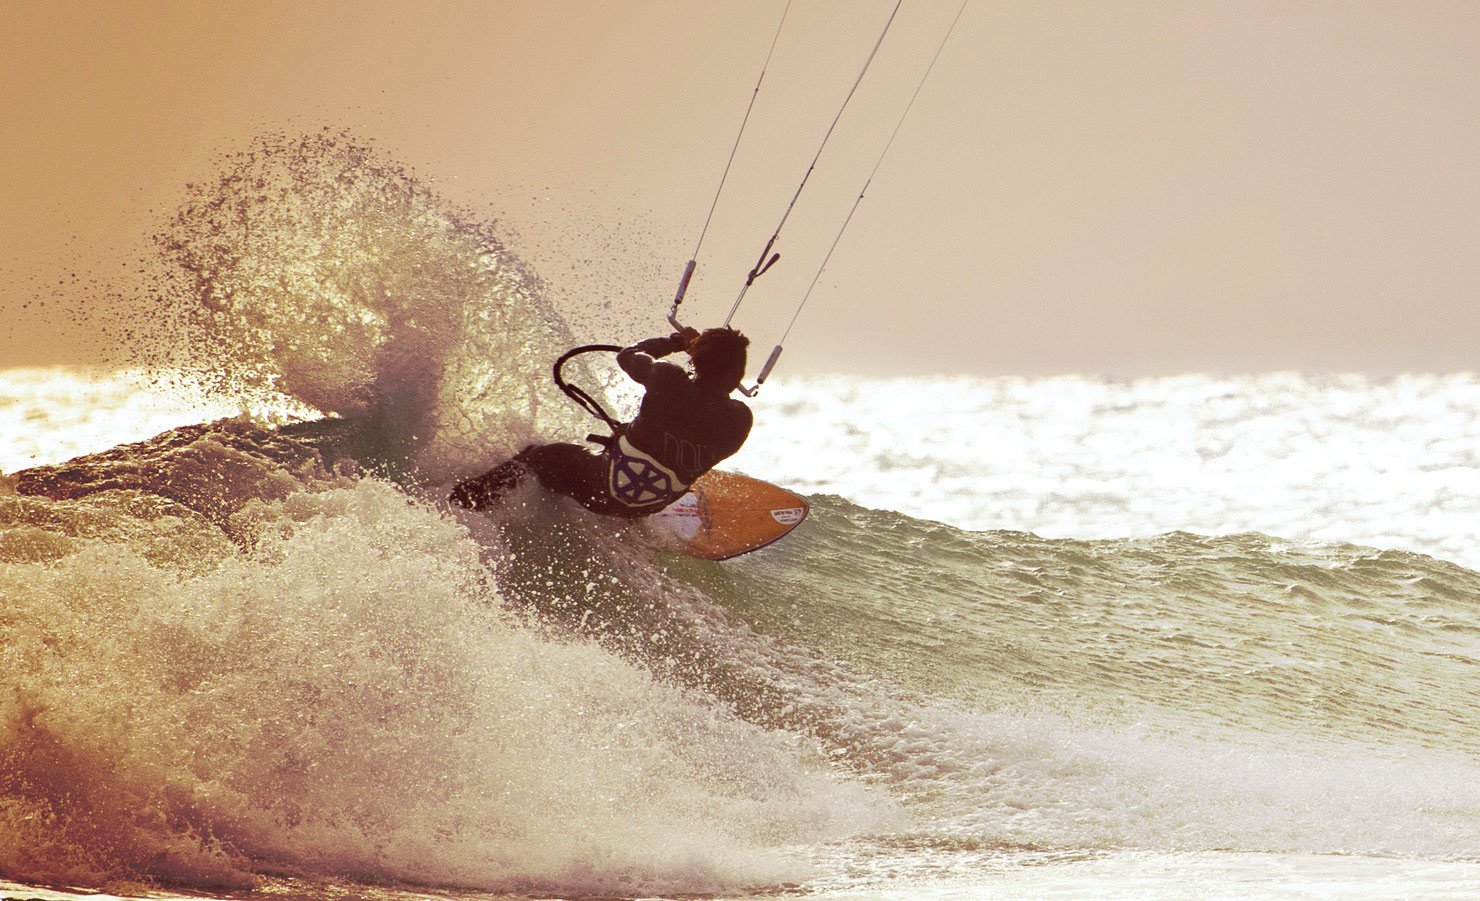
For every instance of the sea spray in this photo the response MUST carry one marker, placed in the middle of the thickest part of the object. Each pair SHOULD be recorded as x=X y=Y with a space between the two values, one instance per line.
x=318 y=268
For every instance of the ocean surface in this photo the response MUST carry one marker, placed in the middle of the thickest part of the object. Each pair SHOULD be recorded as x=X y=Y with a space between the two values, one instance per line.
x=1195 y=637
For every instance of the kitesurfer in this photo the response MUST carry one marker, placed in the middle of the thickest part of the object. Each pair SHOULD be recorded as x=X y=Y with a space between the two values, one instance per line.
x=685 y=425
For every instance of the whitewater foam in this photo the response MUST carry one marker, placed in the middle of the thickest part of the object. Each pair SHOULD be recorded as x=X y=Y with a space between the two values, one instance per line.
x=350 y=697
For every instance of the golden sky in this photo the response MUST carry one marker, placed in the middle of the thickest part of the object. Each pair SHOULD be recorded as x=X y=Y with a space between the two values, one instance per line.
x=1129 y=188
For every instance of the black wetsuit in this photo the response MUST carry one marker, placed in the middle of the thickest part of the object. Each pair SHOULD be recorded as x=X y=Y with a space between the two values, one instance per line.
x=685 y=425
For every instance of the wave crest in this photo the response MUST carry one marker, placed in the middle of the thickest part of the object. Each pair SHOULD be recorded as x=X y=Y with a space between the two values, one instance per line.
x=317 y=267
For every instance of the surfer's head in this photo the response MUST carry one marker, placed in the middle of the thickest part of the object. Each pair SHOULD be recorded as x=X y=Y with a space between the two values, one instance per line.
x=718 y=355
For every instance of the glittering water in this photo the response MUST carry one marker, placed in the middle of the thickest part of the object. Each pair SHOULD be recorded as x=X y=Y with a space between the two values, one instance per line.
x=1390 y=462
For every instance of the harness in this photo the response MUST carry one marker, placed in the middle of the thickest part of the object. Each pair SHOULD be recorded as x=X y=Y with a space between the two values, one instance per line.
x=637 y=480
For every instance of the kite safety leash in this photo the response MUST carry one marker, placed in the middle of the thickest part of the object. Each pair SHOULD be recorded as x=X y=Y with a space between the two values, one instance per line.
x=765 y=262
x=579 y=394
x=776 y=352
x=688 y=272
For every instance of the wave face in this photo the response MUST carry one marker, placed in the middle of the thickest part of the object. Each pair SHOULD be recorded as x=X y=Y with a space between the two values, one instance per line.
x=1181 y=692
x=259 y=649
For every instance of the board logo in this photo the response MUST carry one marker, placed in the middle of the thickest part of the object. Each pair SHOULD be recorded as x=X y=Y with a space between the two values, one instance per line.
x=789 y=516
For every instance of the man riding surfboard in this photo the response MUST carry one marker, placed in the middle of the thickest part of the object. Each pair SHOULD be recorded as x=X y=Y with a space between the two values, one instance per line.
x=685 y=425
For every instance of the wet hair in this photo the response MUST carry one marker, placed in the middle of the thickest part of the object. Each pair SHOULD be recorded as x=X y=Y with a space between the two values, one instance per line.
x=718 y=353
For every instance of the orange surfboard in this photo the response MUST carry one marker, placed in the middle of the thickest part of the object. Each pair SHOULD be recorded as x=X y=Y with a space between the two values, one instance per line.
x=725 y=514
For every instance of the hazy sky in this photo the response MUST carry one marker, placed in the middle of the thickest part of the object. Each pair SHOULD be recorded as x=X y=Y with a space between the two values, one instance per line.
x=1130 y=188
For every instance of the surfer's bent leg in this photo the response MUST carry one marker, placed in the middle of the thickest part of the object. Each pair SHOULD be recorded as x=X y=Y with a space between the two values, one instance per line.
x=567 y=469
x=571 y=470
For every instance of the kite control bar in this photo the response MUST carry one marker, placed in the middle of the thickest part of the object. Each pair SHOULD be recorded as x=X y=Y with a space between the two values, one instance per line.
x=770 y=361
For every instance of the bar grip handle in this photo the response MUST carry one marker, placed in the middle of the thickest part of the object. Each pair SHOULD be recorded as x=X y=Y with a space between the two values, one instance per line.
x=683 y=288
x=770 y=364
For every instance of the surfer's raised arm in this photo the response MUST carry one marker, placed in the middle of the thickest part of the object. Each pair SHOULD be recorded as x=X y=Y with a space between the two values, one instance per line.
x=637 y=360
